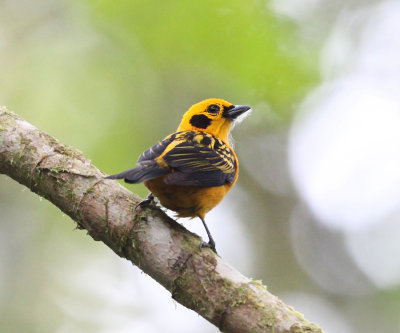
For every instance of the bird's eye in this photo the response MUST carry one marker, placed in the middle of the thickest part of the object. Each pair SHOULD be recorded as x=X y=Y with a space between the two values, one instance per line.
x=213 y=108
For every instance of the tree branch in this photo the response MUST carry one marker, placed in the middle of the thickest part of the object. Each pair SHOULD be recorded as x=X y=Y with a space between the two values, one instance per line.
x=162 y=248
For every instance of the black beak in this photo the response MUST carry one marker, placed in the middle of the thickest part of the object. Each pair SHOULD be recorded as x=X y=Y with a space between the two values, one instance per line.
x=235 y=111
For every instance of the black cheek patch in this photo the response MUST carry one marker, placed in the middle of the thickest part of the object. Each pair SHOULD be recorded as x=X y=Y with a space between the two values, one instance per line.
x=200 y=121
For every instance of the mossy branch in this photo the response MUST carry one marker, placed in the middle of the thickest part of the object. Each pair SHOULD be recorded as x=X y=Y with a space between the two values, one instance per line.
x=162 y=248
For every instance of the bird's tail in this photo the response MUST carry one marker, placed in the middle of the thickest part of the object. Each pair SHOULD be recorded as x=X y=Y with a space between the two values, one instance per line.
x=142 y=172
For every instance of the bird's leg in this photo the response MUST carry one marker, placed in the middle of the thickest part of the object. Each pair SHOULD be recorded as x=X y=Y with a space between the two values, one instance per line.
x=211 y=242
x=146 y=201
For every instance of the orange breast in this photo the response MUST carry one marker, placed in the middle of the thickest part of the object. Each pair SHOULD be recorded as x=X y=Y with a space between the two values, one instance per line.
x=187 y=201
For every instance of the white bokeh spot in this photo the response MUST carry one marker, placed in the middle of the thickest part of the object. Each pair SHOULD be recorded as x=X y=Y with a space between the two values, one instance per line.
x=345 y=143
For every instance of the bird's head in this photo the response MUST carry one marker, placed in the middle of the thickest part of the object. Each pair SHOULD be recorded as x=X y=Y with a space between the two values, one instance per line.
x=214 y=116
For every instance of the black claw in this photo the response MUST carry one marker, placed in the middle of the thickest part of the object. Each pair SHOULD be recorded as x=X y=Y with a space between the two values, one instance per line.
x=210 y=245
x=146 y=202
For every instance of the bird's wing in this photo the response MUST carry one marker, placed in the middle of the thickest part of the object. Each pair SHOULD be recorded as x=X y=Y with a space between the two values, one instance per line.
x=147 y=168
x=157 y=149
x=143 y=171
x=184 y=161
x=196 y=164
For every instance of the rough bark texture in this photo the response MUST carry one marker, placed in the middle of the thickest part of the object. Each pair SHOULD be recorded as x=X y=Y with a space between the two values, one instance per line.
x=162 y=248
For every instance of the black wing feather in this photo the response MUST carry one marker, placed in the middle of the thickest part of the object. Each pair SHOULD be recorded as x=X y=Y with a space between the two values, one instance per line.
x=198 y=165
x=146 y=167
x=157 y=149
x=209 y=178
x=143 y=171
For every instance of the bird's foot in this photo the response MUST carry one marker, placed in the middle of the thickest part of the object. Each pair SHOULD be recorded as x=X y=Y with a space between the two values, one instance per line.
x=210 y=245
x=149 y=200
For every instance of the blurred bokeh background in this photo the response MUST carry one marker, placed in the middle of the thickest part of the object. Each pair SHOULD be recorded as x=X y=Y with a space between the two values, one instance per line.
x=316 y=211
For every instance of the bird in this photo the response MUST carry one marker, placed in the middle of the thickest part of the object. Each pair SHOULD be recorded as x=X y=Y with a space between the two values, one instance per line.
x=192 y=169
